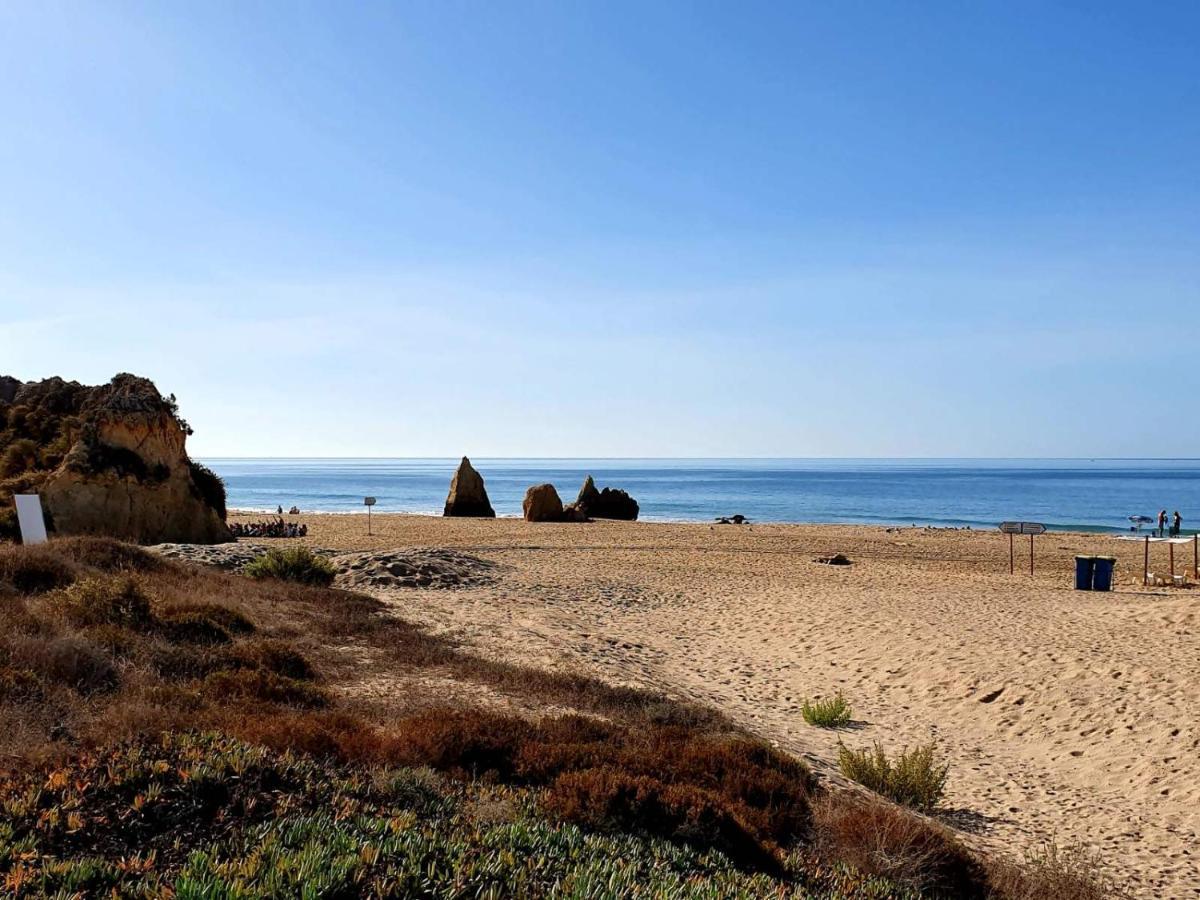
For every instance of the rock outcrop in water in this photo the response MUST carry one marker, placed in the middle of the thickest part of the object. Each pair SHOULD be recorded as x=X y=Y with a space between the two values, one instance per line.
x=106 y=460
x=542 y=504
x=468 y=497
x=609 y=503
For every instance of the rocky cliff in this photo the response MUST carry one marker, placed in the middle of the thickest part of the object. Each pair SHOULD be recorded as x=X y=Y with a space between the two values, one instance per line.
x=106 y=460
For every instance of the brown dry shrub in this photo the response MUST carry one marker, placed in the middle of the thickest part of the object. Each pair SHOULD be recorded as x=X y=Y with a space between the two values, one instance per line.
x=1052 y=873
x=265 y=687
x=20 y=686
x=68 y=660
x=35 y=570
x=275 y=656
x=108 y=555
x=229 y=620
x=608 y=798
x=881 y=839
x=192 y=628
x=107 y=601
x=474 y=743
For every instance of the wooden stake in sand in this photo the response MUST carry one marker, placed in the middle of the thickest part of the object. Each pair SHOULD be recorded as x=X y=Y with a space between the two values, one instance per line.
x=1146 y=564
x=368 y=502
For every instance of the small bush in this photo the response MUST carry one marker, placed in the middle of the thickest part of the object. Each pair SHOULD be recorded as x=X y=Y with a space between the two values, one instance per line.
x=916 y=778
x=611 y=799
x=108 y=601
x=1053 y=873
x=193 y=628
x=831 y=713
x=883 y=840
x=70 y=661
x=108 y=555
x=256 y=684
x=19 y=686
x=228 y=620
x=275 y=656
x=293 y=564
x=35 y=570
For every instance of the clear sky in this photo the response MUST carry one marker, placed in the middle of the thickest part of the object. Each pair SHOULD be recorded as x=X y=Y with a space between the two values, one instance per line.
x=613 y=229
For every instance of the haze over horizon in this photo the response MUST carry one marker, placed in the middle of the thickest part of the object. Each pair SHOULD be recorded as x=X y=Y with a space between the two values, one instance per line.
x=595 y=230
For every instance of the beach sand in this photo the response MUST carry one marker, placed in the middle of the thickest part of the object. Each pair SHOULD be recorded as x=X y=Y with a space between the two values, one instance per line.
x=1065 y=715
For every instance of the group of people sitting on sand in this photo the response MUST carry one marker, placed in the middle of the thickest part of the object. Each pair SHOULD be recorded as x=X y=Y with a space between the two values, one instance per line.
x=270 y=528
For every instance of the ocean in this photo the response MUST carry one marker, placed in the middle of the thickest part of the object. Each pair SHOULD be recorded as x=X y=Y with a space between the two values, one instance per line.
x=1093 y=495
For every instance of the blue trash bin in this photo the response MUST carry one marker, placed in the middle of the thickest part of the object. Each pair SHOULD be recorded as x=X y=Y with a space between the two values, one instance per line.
x=1085 y=566
x=1102 y=576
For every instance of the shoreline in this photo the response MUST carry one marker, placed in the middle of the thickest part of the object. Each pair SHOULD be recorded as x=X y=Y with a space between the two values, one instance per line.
x=933 y=525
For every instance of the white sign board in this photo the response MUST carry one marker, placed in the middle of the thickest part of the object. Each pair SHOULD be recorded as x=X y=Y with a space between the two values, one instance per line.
x=29 y=515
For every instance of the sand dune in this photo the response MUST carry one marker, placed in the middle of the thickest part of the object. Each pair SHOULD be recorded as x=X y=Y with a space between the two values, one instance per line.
x=1065 y=715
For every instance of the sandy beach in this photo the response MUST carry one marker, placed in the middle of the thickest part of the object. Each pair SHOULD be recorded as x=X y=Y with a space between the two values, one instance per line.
x=1066 y=716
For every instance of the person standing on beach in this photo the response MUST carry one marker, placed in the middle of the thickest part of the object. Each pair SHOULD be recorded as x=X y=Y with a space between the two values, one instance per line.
x=1177 y=525
x=1162 y=523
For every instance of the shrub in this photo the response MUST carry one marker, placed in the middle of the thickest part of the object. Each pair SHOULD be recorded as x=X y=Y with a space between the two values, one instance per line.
x=193 y=628
x=108 y=555
x=34 y=570
x=611 y=799
x=70 y=661
x=19 y=686
x=831 y=713
x=916 y=778
x=293 y=564
x=227 y=619
x=1053 y=873
x=20 y=456
x=210 y=486
x=275 y=656
x=108 y=601
x=883 y=840
x=256 y=684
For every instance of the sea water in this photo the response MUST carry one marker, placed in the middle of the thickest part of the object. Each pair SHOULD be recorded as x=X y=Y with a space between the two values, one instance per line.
x=1075 y=494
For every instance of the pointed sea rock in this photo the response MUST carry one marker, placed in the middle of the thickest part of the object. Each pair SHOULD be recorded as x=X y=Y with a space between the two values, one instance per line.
x=468 y=497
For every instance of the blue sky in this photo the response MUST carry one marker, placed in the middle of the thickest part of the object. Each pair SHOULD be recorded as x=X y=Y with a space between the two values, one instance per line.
x=613 y=229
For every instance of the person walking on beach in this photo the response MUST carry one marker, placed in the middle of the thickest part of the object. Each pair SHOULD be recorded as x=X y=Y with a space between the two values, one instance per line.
x=1177 y=525
x=1162 y=523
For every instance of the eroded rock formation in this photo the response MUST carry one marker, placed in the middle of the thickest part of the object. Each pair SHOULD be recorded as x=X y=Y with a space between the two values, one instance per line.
x=106 y=460
x=468 y=497
x=542 y=504
x=609 y=503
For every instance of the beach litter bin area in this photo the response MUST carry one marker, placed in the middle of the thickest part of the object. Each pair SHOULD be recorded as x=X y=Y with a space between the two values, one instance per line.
x=1102 y=573
x=1094 y=573
x=1085 y=567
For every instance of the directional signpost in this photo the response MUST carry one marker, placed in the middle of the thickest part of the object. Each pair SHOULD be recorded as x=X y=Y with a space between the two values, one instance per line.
x=368 y=502
x=1029 y=528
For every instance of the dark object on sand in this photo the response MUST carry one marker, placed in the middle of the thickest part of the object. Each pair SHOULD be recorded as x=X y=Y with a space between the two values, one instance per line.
x=468 y=497
x=838 y=559
x=739 y=519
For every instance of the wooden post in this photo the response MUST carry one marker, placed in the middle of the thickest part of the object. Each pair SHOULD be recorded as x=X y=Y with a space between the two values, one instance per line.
x=1196 y=556
x=1011 y=559
x=1146 y=563
x=1031 y=554
x=1172 y=546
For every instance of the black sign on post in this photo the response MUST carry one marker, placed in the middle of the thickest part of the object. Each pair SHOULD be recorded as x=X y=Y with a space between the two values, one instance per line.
x=1029 y=528
x=368 y=502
